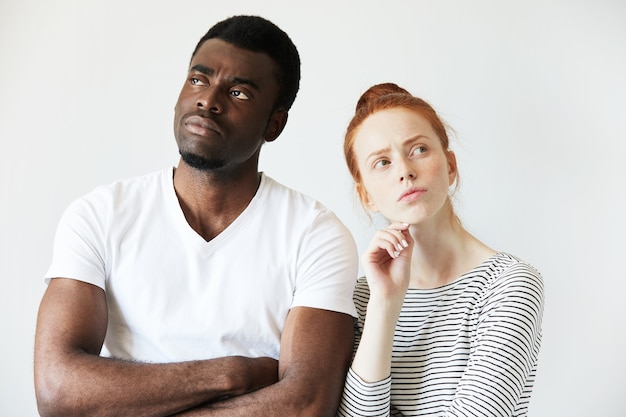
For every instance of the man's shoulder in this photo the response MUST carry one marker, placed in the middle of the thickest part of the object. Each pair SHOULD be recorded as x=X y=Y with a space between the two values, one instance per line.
x=131 y=185
x=291 y=205
x=151 y=179
x=281 y=192
x=131 y=191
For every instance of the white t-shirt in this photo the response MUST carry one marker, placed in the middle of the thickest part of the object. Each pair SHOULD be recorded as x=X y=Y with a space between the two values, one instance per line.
x=172 y=296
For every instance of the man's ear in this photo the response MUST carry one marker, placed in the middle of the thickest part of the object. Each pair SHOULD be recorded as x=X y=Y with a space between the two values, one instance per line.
x=365 y=198
x=276 y=124
x=452 y=169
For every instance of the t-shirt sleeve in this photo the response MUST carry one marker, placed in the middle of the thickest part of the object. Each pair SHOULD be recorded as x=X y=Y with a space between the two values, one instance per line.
x=78 y=249
x=327 y=266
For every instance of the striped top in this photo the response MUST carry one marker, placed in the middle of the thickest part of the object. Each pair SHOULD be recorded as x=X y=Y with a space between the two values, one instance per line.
x=468 y=348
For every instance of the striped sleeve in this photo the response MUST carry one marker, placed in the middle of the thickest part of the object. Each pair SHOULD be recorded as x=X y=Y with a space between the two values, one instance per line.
x=504 y=351
x=361 y=398
x=365 y=399
x=467 y=349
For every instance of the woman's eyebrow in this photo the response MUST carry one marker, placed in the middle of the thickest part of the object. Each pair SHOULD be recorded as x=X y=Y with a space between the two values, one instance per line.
x=376 y=153
x=415 y=138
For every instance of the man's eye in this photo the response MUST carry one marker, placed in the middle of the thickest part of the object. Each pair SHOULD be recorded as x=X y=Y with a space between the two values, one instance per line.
x=195 y=81
x=240 y=95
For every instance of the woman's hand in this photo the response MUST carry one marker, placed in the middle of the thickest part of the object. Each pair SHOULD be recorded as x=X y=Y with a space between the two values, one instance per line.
x=387 y=265
x=387 y=262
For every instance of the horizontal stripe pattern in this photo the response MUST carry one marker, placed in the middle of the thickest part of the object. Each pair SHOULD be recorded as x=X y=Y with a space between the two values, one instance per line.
x=469 y=348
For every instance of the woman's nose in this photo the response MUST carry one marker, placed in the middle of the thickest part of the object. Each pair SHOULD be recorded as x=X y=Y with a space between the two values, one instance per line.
x=407 y=172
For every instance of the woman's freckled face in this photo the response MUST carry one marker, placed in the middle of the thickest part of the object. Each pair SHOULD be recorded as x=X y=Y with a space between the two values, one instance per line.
x=405 y=171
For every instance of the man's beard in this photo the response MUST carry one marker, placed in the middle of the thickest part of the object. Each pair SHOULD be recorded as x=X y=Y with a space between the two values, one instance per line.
x=201 y=163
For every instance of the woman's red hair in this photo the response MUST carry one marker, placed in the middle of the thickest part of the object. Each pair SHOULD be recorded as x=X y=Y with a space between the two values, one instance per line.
x=382 y=97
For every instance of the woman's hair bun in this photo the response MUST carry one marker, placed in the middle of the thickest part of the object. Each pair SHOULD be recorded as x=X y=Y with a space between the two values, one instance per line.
x=377 y=91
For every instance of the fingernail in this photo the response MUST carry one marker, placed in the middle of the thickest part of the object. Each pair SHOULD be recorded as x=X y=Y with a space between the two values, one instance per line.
x=405 y=243
x=396 y=254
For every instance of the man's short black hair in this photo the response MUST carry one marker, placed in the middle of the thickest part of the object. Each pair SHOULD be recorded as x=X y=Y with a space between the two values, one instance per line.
x=257 y=34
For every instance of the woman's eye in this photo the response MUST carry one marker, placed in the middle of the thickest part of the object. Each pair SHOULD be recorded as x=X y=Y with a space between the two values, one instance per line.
x=419 y=150
x=381 y=164
x=240 y=95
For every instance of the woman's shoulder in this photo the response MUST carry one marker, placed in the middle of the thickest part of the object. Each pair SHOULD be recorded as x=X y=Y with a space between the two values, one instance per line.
x=504 y=264
x=508 y=273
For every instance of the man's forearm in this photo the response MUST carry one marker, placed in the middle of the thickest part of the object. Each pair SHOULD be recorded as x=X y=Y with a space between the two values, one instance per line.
x=316 y=347
x=277 y=400
x=96 y=386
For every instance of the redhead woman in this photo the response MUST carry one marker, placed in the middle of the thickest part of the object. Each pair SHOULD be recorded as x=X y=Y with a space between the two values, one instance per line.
x=447 y=325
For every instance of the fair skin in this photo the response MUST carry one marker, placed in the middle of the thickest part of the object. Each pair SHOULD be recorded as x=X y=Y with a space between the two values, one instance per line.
x=225 y=112
x=406 y=175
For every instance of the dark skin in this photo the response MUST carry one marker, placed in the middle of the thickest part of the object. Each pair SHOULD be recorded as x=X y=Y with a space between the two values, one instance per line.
x=225 y=112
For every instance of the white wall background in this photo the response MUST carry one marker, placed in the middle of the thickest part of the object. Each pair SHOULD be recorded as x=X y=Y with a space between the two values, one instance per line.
x=536 y=91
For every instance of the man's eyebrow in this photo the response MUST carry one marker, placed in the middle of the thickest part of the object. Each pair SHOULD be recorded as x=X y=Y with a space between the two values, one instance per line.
x=245 y=81
x=235 y=80
x=203 y=69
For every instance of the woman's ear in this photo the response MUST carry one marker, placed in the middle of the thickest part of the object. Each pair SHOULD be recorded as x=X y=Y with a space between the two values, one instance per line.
x=452 y=169
x=365 y=198
x=275 y=125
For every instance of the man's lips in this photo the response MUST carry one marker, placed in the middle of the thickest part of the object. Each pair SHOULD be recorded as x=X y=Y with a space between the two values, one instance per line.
x=201 y=125
x=411 y=194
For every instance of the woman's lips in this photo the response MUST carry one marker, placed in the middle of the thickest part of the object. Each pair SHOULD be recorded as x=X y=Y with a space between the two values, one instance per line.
x=411 y=194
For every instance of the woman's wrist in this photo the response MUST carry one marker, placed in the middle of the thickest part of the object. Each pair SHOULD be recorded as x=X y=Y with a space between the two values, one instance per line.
x=383 y=313
x=386 y=303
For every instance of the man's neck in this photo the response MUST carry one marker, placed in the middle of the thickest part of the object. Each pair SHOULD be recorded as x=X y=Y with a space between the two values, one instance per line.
x=211 y=201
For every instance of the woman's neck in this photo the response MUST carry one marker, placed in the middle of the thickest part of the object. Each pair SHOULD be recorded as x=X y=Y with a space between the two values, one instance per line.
x=443 y=252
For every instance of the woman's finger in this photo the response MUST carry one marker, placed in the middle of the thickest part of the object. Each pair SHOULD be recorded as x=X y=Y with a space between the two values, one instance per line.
x=391 y=240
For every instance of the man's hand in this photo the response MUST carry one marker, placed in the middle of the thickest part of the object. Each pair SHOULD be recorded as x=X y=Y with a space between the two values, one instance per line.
x=72 y=379
x=316 y=348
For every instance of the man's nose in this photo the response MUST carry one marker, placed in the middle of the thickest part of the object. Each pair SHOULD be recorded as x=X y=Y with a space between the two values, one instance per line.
x=210 y=100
